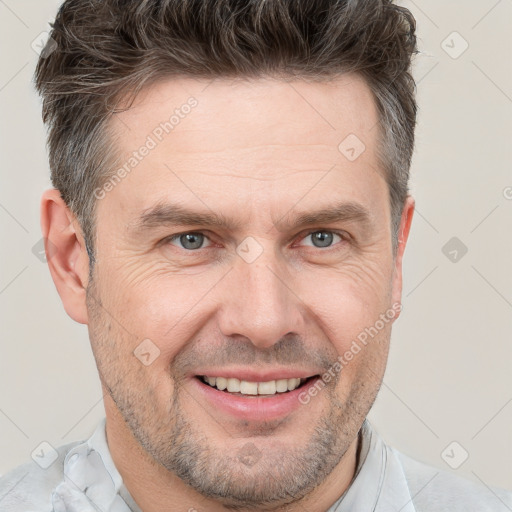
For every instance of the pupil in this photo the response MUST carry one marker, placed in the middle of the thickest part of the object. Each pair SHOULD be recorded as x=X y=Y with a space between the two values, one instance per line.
x=191 y=240
x=322 y=239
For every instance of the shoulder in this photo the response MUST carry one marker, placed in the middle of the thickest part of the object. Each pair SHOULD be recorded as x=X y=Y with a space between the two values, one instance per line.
x=29 y=487
x=436 y=490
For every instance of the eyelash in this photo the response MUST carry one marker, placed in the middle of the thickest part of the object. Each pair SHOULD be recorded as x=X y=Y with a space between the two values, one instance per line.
x=342 y=234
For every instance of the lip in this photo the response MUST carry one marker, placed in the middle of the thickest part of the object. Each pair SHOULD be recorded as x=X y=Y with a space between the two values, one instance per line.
x=254 y=408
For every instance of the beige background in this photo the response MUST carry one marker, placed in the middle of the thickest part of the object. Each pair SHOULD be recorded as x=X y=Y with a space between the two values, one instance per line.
x=449 y=376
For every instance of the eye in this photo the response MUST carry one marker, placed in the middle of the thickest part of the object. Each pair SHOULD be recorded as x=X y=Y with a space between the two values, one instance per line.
x=322 y=238
x=189 y=241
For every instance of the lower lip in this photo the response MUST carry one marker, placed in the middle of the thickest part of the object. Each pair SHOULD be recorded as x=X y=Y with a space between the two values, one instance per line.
x=254 y=408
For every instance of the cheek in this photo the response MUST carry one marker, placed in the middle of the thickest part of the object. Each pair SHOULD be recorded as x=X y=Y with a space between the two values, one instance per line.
x=133 y=369
x=348 y=300
x=163 y=307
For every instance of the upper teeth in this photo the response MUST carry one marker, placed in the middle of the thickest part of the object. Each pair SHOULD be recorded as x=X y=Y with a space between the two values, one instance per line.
x=254 y=388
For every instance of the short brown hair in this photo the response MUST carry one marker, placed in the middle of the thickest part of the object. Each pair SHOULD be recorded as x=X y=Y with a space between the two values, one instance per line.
x=107 y=50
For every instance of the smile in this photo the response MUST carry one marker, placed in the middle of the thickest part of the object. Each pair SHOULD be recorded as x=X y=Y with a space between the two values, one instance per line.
x=244 y=387
x=253 y=395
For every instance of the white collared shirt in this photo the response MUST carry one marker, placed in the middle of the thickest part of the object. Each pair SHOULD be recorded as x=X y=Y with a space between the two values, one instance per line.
x=85 y=479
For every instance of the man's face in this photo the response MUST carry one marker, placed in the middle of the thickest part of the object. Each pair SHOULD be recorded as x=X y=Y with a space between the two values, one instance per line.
x=269 y=294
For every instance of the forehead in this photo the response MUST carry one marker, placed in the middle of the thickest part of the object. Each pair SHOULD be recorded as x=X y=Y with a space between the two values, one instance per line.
x=273 y=111
x=248 y=142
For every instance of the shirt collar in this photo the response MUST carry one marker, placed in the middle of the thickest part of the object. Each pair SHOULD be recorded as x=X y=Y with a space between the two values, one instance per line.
x=92 y=481
x=379 y=484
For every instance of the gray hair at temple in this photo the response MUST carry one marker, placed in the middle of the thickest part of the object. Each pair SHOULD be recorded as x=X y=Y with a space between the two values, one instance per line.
x=107 y=51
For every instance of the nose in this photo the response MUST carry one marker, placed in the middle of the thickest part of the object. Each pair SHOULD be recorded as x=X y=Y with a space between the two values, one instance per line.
x=259 y=302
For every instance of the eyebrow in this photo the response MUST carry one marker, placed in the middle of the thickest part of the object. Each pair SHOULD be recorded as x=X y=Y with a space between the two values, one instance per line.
x=341 y=212
x=167 y=214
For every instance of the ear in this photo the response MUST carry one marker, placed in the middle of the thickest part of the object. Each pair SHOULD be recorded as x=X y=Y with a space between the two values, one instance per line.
x=403 y=235
x=66 y=254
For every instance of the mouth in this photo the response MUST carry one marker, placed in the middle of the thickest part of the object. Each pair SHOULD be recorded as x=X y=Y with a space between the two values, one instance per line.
x=253 y=400
x=246 y=388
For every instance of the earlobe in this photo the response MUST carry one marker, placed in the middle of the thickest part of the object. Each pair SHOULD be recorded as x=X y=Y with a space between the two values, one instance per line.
x=65 y=253
x=403 y=235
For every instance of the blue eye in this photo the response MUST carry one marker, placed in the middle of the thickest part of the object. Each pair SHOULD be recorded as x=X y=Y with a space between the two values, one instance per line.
x=193 y=240
x=190 y=241
x=322 y=238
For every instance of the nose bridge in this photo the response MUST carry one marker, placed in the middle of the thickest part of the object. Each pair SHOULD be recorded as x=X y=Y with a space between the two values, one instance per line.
x=260 y=304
